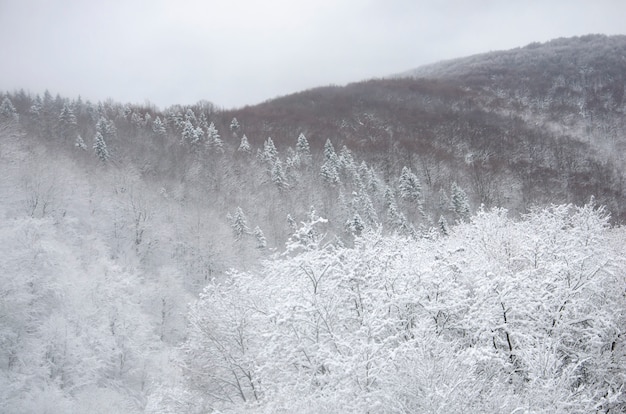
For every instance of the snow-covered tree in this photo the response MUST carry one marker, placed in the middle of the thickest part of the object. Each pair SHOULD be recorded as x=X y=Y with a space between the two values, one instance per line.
x=80 y=143
x=100 y=147
x=303 y=150
x=158 y=127
x=269 y=153
x=7 y=110
x=244 y=146
x=234 y=126
x=67 y=122
x=409 y=186
x=460 y=202
x=261 y=242
x=213 y=140
x=278 y=175
x=239 y=224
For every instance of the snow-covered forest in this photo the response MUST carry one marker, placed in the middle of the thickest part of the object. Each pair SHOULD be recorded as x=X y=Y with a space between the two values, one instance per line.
x=197 y=260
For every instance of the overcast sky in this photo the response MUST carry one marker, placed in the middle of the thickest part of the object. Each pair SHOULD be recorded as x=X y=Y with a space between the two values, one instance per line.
x=239 y=52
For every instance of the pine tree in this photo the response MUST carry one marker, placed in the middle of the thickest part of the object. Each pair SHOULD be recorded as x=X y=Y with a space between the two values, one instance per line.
x=443 y=226
x=67 y=122
x=106 y=128
x=100 y=147
x=158 y=127
x=460 y=202
x=245 y=145
x=188 y=136
x=409 y=186
x=239 y=224
x=303 y=150
x=234 y=126
x=330 y=168
x=213 y=141
x=269 y=153
x=190 y=116
x=261 y=242
x=278 y=175
x=7 y=110
x=80 y=143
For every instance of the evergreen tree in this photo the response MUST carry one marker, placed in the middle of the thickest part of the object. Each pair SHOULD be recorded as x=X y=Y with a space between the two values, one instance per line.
x=158 y=127
x=245 y=145
x=261 y=242
x=443 y=226
x=67 y=122
x=270 y=153
x=203 y=122
x=330 y=168
x=7 y=110
x=329 y=173
x=80 y=143
x=460 y=202
x=239 y=224
x=190 y=116
x=188 y=136
x=303 y=150
x=213 y=141
x=234 y=126
x=278 y=175
x=329 y=153
x=409 y=186
x=106 y=128
x=346 y=161
x=100 y=147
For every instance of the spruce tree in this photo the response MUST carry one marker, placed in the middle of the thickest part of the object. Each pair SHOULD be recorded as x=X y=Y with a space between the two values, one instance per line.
x=409 y=186
x=303 y=150
x=239 y=224
x=100 y=147
x=460 y=202
x=261 y=242
x=244 y=146
x=7 y=110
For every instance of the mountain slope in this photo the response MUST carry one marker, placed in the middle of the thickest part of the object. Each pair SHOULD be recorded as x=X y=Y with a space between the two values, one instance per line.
x=540 y=124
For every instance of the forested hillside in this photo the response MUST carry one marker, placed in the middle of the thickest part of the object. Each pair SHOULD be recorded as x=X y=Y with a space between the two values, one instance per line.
x=448 y=241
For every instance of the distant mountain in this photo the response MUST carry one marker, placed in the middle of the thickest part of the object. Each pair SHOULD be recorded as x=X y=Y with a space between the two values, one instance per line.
x=539 y=124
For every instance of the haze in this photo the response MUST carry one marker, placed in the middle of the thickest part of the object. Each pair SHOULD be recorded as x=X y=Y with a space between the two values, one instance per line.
x=241 y=52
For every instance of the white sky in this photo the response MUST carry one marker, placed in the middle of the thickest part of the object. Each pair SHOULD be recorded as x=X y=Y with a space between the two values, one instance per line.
x=239 y=52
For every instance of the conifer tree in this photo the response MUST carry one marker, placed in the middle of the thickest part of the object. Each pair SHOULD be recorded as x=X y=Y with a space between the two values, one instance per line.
x=234 y=126
x=443 y=226
x=303 y=150
x=67 y=122
x=80 y=143
x=244 y=146
x=106 y=128
x=158 y=127
x=261 y=242
x=460 y=202
x=100 y=147
x=7 y=110
x=330 y=168
x=278 y=175
x=213 y=141
x=409 y=186
x=190 y=116
x=269 y=153
x=188 y=136
x=239 y=224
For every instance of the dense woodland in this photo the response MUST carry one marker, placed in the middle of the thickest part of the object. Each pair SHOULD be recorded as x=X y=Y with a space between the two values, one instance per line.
x=448 y=240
